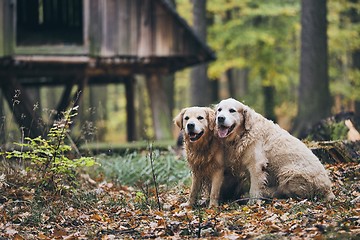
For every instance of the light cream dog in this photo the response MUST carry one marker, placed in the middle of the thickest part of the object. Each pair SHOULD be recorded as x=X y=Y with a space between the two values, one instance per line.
x=279 y=164
x=205 y=156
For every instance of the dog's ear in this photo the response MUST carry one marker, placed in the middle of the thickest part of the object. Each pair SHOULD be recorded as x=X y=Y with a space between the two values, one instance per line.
x=211 y=118
x=248 y=121
x=178 y=120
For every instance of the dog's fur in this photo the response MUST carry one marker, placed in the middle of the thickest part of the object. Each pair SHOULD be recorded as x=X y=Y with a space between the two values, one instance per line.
x=279 y=164
x=205 y=156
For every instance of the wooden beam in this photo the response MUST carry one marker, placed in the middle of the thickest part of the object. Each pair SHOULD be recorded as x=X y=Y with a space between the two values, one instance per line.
x=65 y=99
x=22 y=107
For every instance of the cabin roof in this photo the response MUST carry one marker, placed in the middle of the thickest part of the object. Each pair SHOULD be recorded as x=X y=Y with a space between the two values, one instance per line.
x=210 y=53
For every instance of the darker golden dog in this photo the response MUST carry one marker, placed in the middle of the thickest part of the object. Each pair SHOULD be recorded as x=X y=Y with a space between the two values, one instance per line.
x=205 y=156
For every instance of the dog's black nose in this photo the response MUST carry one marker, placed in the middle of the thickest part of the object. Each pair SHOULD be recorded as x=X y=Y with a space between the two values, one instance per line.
x=221 y=119
x=190 y=126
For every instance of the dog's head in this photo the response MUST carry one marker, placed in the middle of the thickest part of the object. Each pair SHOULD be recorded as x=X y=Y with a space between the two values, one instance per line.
x=232 y=118
x=196 y=122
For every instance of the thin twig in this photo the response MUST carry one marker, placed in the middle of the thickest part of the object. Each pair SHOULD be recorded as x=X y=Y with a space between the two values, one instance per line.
x=153 y=175
x=67 y=121
x=247 y=199
x=200 y=221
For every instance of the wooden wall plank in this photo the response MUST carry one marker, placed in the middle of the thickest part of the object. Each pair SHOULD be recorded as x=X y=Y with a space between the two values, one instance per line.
x=134 y=30
x=163 y=34
x=110 y=28
x=95 y=27
x=9 y=26
x=123 y=36
x=86 y=22
x=145 y=47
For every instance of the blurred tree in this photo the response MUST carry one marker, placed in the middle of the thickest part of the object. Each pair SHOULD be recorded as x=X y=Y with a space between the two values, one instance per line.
x=268 y=53
x=256 y=40
x=354 y=15
x=200 y=89
x=314 y=101
x=161 y=116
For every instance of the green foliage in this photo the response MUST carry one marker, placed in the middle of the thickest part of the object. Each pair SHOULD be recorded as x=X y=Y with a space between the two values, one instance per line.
x=338 y=131
x=254 y=34
x=262 y=36
x=134 y=168
x=49 y=156
x=344 y=40
x=329 y=131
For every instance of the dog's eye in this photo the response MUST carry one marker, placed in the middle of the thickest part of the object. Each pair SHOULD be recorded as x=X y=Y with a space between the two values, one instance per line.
x=219 y=110
x=200 y=118
x=232 y=110
x=186 y=118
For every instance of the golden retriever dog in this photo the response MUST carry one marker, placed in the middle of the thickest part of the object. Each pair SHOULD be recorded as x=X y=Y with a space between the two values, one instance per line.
x=279 y=164
x=205 y=156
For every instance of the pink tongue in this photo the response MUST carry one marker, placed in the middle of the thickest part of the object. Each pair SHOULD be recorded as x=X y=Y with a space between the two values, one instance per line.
x=222 y=132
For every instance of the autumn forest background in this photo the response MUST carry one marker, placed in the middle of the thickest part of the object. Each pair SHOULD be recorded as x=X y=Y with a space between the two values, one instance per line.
x=258 y=50
x=295 y=62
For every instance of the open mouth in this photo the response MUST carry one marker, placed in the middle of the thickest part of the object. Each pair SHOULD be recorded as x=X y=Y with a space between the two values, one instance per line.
x=224 y=131
x=195 y=136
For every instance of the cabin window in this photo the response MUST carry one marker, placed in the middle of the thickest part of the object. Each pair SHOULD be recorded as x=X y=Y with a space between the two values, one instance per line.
x=49 y=22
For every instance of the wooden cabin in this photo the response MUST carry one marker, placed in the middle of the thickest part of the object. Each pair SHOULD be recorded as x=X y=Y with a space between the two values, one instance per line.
x=76 y=43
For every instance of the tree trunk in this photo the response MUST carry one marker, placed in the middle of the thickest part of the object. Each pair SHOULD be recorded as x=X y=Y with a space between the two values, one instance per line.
x=314 y=101
x=237 y=82
x=200 y=93
x=269 y=102
x=160 y=110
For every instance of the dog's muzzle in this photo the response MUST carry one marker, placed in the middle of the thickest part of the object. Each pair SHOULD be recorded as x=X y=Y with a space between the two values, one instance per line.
x=193 y=135
x=223 y=129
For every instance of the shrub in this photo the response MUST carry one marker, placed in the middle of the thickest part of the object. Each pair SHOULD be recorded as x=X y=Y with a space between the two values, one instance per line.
x=49 y=156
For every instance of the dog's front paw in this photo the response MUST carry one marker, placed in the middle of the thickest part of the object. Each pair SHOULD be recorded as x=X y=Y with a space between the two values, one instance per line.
x=213 y=204
x=255 y=200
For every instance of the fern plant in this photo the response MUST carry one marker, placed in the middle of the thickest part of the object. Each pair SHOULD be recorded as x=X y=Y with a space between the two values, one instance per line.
x=49 y=157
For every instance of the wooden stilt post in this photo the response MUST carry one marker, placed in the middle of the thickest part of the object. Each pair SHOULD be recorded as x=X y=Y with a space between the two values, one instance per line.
x=130 y=109
x=65 y=99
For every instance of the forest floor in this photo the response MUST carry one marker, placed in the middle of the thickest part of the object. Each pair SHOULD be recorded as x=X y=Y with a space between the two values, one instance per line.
x=109 y=211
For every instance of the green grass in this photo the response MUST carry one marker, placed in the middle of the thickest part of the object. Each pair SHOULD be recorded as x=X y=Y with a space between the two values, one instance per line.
x=135 y=168
x=123 y=148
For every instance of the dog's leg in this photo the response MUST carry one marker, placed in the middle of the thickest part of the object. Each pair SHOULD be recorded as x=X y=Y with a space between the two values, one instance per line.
x=195 y=189
x=258 y=175
x=216 y=182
